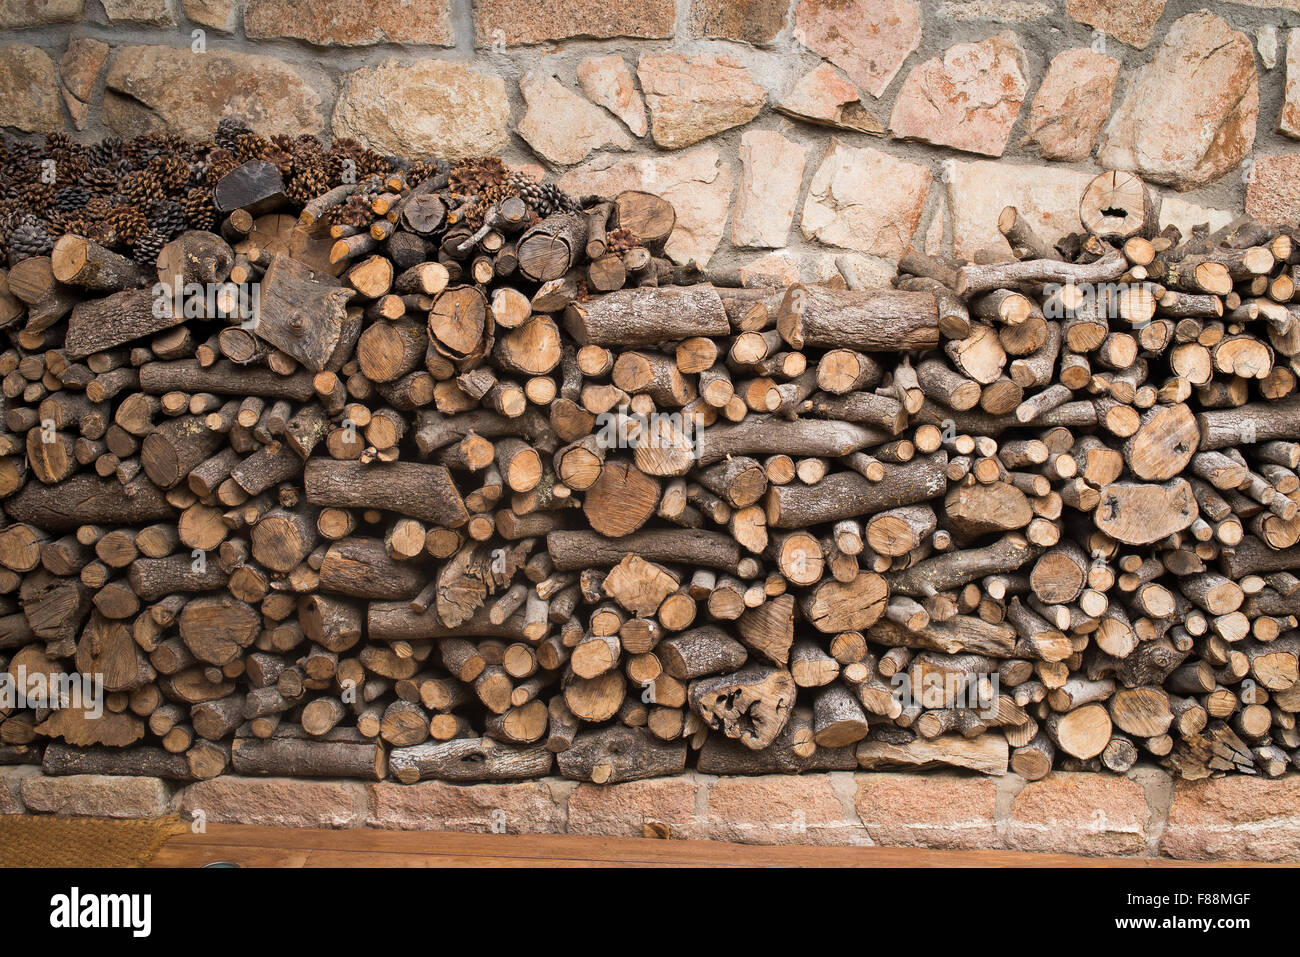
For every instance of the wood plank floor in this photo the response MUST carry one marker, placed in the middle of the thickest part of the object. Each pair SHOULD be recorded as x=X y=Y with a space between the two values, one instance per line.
x=251 y=846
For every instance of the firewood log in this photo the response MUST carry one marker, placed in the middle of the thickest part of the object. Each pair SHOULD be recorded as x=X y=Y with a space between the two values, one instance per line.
x=646 y=316
x=469 y=759
x=751 y=705
x=615 y=754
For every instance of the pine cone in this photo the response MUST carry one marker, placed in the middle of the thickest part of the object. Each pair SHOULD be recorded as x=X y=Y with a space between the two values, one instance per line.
x=308 y=183
x=282 y=160
x=228 y=131
x=29 y=238
x=68 y=171
x=471 y=214
x=147 y=248
x=621 y=240
x=250 y=146
x=59 y=146
x=219 y=163
x=99 y=181
x=374 y=164
x=499 y=191
x=140 y=150
x=76 y=223
x=71 y=199
x=547 y=198
x=97 y=207
x=470 y=177
x=419 y=171
x=102 y=233
x=198 y=209
x=355 y=212
x=345 y=160
x=304 y=144
x=21 y=154
x=172 y=171
x=128 y=224
x=167 y=219
x=142 y=188
x=106 y=152
x=37 y=196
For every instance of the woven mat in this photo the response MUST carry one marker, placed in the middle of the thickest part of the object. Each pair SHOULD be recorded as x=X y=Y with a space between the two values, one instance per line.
x=28 y=840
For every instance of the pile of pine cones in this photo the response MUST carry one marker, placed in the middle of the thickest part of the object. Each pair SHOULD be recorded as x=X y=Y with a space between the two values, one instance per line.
x=135 y=195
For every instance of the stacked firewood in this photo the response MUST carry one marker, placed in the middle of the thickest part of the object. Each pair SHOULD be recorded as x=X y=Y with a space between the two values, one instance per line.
x=447 y=474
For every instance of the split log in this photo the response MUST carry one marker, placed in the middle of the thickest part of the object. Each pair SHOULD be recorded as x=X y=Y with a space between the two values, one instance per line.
x=751 y=705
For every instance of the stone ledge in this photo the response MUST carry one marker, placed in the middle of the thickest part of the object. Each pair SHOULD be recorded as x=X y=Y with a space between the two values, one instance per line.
x=276 y=802
x=96 y=795
x=1240 y=818
x=1139 y=814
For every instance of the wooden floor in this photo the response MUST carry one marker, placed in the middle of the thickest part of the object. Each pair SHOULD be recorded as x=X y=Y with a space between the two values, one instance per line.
x=251 y=846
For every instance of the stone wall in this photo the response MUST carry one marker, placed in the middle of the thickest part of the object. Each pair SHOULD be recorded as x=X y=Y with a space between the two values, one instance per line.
x=1145 y=813
x=795 y=137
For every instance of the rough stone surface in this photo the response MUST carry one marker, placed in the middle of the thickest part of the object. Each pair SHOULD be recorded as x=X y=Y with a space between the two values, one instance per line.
x=1273 y=189
x=1189 y=115
x=1179 y=212
x=277 y=802
x=867 y=39
x=1088 y=814
x=96 y=795
x=623 y=810
x=698 y=184
x=937 y=810
x=821 y=267
x=563 y=127
x=1266 y=44
x=750 y=21
x=779 y=809
x=152 y=87
x=524 y=807
x=967 y=99
x=1234 y=817
x=34 y=13
x=1047 y=196
x=523 y=21
x=152 y=12
x=79 y=71
x=771 y=174
x=774 y=269
x=1129 y=21
x=29 y=89
x=863 y=199
x=222 y=15
x=346 y=23
x=1292 y=5
x=1289 y=120
x=823 y=96
x=691 y=98
x=934 y=232
x=866 y=272
x=435 y=107
x=608 y=82
x=1003 y=11
x=11 y=783
x=1072 y=104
